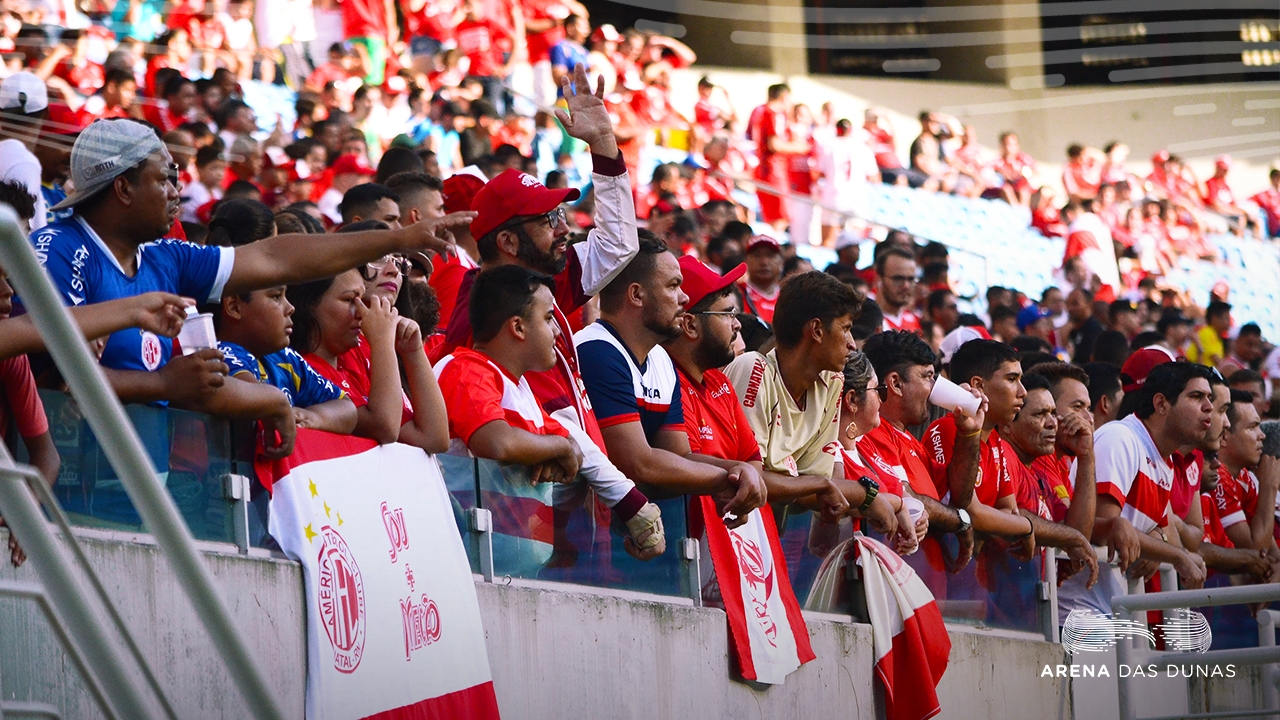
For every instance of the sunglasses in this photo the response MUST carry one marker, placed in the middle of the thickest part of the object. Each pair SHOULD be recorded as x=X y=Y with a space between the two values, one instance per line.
x=401 y=263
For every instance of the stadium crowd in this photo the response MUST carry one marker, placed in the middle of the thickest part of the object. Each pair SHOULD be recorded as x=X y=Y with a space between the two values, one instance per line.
x=431 y=257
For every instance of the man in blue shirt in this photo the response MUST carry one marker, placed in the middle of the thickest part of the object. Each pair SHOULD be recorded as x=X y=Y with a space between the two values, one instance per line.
x=126 y=199
x=635 y=391
x=570 y=52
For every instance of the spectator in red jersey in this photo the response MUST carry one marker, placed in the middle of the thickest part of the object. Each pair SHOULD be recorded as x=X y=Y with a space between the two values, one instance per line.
x=774 y=149
x=370 y=26
x=1247 y=481
x=483 y=40
x=713 y=416
x=83 y=75
x=713 y=113
x=1083 y=173
x=666 y=184
x=957 y=458
x=1113 y=169
x=178 y=106
x=428 y=27
x=1269 y=201
x=1219 y=198
x=1045 y=215
x=800 y=177
x=117 y=98
x=343 y=68
x=764 y=277
x=1015 y=169
x=1033 y=434
x=896 y=289
x=708 y=185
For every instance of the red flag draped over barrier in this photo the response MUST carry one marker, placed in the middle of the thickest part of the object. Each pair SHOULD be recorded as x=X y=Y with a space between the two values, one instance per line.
x=767 y=633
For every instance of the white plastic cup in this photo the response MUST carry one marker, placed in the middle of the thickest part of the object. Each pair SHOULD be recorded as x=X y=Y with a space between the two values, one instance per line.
x=950 y=396
x=914 y=507
x=197 y=333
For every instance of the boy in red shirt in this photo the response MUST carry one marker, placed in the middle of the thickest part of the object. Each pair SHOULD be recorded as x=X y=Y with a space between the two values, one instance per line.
x=984 y=486
x=494 y=414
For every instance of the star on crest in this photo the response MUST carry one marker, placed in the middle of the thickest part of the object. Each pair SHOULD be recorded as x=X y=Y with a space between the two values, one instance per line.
x=311 y=534
x=326 y=509
x=314 y=491
x=339 y=519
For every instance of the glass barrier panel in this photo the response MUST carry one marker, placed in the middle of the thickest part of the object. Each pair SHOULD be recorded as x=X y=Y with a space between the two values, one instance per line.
x=559 y=532
x=190 y=452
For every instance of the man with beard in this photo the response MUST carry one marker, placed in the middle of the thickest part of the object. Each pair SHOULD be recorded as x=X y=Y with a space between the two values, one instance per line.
x=521 y=222
x=125 y=200
x=1033 y=434
x=904 y=362
x=636 y=393
x=713 y=419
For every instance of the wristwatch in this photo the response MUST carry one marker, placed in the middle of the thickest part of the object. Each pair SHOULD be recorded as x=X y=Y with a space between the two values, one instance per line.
x=873 y=489
x=965 y=523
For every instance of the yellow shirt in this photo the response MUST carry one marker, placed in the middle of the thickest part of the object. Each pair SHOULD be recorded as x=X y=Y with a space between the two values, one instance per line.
x=1211 y=349
x=791 y=440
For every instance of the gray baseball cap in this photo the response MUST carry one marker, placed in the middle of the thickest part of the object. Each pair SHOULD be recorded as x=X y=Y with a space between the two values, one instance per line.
x=103 y=152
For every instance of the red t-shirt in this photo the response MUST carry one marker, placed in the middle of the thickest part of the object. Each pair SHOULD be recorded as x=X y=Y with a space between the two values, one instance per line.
x=1217 y=194
x=768 y=124
x=478 y=391
x=540 y=44
x=994 y=478
x=763 y=304
x=1186 y=481
x=446 y=278
x=1269 y=200
x=434 y=20
x=714 y=420
x=902 y=453
x=19 y=401
x=364 y=18
x=352 y=374
x=907 y=321
x=882 y=145
x=1236 y=497
x=86 y=78
x=1054 y=475
x=1213 y=530
x=478 y=40
x=1032 y=495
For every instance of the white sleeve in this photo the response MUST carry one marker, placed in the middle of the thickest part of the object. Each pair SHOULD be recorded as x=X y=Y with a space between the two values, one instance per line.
x=612 y=242
x=29 y=174
x=1117 y=459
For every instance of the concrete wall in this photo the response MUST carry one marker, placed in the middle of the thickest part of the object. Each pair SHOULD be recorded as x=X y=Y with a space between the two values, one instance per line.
x=556 y=651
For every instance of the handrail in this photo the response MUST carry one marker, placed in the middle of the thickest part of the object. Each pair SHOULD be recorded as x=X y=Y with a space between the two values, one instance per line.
x=125 y=451
x=1204 y=597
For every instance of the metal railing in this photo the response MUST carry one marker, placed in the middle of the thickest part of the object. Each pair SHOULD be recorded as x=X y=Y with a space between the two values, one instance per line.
x=1267 y=654
x=125 y=451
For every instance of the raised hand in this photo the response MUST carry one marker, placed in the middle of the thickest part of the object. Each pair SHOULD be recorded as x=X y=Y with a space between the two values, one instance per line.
x=1075 y=435
x=587 y=118
x=432 y=234
x=378 y=319
x=408 y=337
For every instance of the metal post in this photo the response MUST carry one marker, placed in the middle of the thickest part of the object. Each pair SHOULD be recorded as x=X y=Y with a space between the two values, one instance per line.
x=1048 y=596
x=1267 y=638
x=692 y=580
x=65 y=592
x=236 y=488
x=480 y=523
x=120 y=442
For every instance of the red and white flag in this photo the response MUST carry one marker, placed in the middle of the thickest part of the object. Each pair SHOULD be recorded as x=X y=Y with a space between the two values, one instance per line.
x=766 y=630
x=393 y=626
x=910 y=640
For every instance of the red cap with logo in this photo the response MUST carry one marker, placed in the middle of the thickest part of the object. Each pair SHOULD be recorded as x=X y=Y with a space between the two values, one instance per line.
x=353 y=164
x=514 y=194
x=460 y=191
x=1140 y=364
x=701 y=281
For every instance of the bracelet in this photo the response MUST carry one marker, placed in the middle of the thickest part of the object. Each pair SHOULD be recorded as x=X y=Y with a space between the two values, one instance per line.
x=1031 y=528
x=972 y=434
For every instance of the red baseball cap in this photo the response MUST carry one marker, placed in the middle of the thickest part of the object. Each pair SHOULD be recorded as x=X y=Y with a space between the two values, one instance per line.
x=460 y=191
x=353 y=164
x=62 y=120
x=1140 y=364
x=757 y=241
x=513 y=194
x=701 y=281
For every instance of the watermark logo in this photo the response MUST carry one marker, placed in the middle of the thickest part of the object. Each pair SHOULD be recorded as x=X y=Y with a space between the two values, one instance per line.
x=1090 y=631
